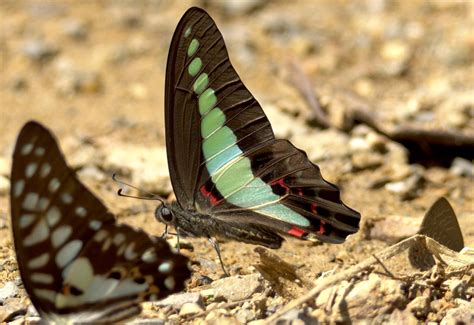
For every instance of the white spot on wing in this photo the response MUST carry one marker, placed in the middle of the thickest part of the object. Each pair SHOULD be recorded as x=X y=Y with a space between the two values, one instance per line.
x=30 y=201
x=43 y=203
x=101 y=235
x=26 y=149
x=68 y=252
x=53 y=215
x=46 y=294
x=26 y=220
x=39 y=151
x=129 y=253
x=45 y=169
x=170 y=283
x=43 y=278
x=39 y=233
x=149 y=256
x=166 y=267
x=118 y=239
x=54 y=185
x=81 y=212
x=18 y=188
x=37 y=262
x=95 y=224
x=30 y=169
x=66 y=198
x=60 y=235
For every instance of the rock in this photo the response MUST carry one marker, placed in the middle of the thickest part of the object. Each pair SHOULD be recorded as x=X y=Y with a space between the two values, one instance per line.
x=9 y=290
x=408 y=188
x=190 y=308
x=457 y=288
x=462 y=167
x=238 y=287
x=366 y=297
x=394 y=228
x=75 y=29
x=366 y=160
x=240 y=7
x=92 y=172
x=39 y=50
x=459 y=315
x=420 y=306
x=396 y=55
x=147 y=166
x=4 y=185
x=208 y=293
x=176 y=301
x=297 y=317
x=5 y=166
x=323 y=145
x=402 y=317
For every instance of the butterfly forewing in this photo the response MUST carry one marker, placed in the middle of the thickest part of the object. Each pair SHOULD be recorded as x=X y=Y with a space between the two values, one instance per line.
x=441 y=224
x=223 y=156
x=74 y=259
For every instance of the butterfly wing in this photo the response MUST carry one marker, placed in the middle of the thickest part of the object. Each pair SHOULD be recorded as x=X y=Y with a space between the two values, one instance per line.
x=223 y=157
x=441 y=224
x=74 y=259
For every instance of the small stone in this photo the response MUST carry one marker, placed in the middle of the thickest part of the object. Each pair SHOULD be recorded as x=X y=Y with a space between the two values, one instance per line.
x=178 y=300
x=4 y=185
x=75 y=29
x=420 y=306
x=190 y=308
x=238 y=287
x=366 y=160
x=462 y=167
x=208 y=293
x=39 y=50
x=459 y=315
x=9 y=290
x=402 y=317
x=92 y=172
x=457 y=288
x=240 y=7
x=408 y=188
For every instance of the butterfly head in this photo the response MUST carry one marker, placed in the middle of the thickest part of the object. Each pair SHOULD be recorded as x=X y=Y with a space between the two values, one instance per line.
x=165 y=214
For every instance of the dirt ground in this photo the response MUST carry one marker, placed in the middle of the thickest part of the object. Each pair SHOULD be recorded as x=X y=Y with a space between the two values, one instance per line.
x=93 y=72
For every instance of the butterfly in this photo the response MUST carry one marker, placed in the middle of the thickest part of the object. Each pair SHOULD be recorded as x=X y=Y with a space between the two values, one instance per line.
x=76 y=262
x=441 y=224
x=230 y=176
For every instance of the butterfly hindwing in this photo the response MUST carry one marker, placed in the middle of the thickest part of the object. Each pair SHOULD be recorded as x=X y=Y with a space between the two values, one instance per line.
x=74 y=259
x=223 y=157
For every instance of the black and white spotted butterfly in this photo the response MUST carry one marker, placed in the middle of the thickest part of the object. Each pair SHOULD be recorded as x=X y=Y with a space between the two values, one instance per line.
x=79 y=265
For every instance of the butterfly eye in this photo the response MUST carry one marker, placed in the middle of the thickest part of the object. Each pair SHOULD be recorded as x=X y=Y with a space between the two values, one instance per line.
x=164 y=214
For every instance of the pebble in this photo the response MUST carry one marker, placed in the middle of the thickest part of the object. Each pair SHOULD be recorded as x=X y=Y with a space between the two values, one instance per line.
x=366 y=160
x=457 y=287
x=178 y=300
x=5 y=166
x=4 y=185
x=409 y=187
x=39 y=50
x=240 y=7
x=190 y=308
x=459 y=315
x=323 y=145
x=238 y=287
x=75 y=29
x=93 y=173
x=9 y=290
x=462 y=167
x=420 y=306
x=402 y=317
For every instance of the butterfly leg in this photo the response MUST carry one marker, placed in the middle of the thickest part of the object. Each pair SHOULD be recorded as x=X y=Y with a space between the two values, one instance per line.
x=215 y=244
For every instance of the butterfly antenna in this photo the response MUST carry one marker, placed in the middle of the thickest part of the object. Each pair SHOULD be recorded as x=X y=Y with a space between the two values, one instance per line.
x=153 y=196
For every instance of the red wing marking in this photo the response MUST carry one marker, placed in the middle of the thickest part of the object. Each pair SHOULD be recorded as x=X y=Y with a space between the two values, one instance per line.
x=321 y=228
x=297 y=232
x=208 y=194
x=313 y=208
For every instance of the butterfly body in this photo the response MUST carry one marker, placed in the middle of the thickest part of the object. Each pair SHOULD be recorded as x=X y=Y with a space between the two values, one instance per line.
x=232 y=178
